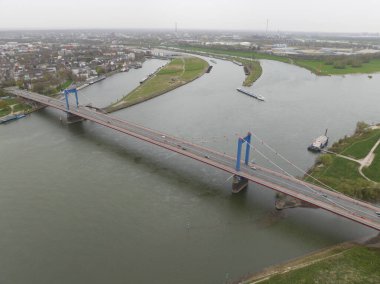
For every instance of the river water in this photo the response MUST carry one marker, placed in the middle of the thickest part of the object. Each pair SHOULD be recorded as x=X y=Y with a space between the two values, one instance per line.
x=84 y=204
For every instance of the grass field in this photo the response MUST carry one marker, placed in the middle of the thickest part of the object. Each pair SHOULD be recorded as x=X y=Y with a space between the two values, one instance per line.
x=373 y=171
x=342 y=174
x=337 y=170
x=358 y=146
x=175 y=74
x=358 y=264
x=5 y=106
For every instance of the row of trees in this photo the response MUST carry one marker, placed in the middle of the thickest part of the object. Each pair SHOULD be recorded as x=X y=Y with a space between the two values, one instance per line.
x=343 y=62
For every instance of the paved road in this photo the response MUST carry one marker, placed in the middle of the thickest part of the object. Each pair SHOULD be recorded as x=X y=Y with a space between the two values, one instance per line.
x=337 y=203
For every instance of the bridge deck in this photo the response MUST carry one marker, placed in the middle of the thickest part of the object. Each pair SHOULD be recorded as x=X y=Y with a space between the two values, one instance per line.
x=334 y=202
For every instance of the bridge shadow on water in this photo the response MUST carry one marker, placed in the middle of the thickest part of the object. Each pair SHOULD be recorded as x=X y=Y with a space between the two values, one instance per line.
x=255 y=205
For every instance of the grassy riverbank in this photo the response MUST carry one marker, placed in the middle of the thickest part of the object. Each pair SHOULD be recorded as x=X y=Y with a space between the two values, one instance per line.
x=178 y=72
x=10 y=105
x=345 y=263
x=342 y=66
x=343 y=174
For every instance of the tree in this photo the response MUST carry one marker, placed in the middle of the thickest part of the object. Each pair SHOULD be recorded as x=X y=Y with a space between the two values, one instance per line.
x=361 y=127
x=340 y=64
x=100 y=70
x=38 y=87
x=325 y=159
x=356 y=62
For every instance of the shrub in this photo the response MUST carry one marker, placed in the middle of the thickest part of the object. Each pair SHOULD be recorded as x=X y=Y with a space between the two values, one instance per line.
x=340 y=64
x=361 y=127
x=325 y=159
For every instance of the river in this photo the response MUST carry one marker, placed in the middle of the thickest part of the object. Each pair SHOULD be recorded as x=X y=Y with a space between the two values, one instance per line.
x=84 y=204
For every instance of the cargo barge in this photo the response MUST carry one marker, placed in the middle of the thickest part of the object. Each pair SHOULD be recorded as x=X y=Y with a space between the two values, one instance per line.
x=95 y=80
x=11 y=117
x=258 y=97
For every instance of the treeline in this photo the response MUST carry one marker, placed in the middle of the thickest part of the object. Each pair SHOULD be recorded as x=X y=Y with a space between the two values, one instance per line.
x=341 y=62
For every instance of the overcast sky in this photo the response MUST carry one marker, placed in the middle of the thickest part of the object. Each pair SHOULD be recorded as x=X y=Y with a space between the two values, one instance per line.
x=283 y=15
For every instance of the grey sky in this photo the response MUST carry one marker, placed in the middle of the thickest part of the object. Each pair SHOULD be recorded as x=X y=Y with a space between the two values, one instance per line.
x=290 y=15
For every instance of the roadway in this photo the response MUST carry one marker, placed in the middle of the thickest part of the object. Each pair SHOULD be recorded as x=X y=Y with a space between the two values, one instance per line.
x=334 y=202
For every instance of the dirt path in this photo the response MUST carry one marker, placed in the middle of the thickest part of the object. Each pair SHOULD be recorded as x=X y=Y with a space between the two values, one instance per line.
x=365 y=162
x=12 y=107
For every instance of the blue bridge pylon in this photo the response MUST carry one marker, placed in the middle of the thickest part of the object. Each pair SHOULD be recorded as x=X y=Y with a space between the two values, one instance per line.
x=241 y=141
x=67 y=92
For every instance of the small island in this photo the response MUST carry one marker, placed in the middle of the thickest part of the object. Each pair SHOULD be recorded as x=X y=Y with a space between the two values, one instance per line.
x=252 y=69
x=176 y=73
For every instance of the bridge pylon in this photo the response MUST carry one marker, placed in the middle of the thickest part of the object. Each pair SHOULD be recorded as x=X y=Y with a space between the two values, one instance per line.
x=71 y=118
x=240 y=183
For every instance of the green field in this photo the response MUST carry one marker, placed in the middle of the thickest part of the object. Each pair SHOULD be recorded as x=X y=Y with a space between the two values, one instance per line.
x=175 y=74
x=321 y=68
x=6 y=106
x=358 y=145
x=373 y=171
x=342 y=174
x=354 y=265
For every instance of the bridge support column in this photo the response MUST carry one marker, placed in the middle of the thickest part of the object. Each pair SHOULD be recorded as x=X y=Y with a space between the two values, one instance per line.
x=239 y=183
x=72 y=118
x=67 y=92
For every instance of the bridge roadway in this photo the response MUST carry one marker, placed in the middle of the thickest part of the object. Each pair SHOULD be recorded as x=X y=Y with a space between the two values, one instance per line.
x=334 y=202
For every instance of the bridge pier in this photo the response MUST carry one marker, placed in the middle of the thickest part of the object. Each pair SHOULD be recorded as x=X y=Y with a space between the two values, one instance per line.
x=239 y=183
x=71 y=118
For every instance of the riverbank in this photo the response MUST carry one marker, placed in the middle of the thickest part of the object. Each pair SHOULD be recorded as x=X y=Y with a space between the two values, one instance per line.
x=12 y=106
x=177 y=73
x=317 y=66
x=344 y=263
x=352 y=164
